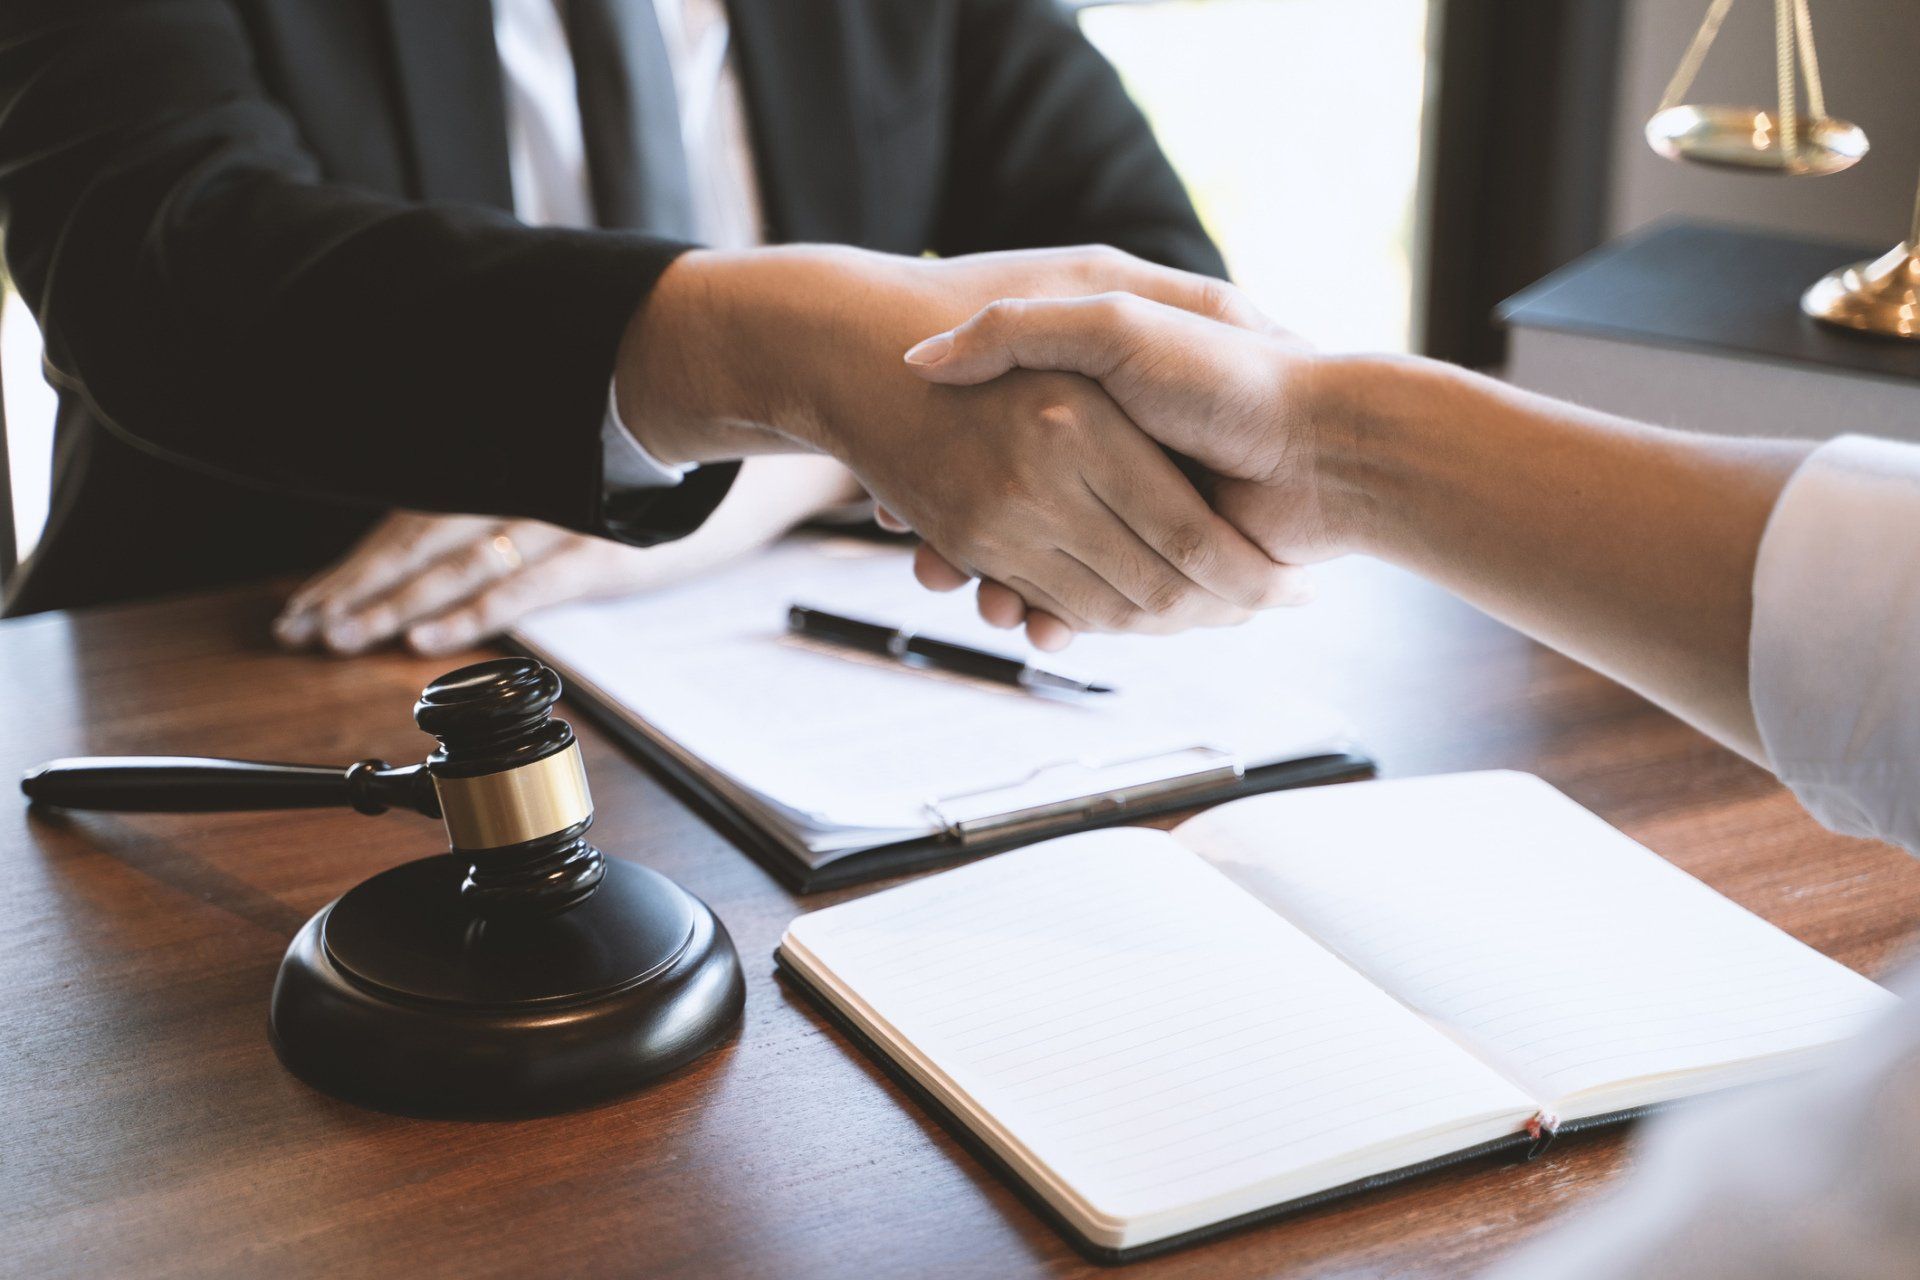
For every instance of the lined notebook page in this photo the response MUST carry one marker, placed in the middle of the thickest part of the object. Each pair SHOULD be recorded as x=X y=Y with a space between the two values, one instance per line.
x=1565 y=953
x=1139 y=1034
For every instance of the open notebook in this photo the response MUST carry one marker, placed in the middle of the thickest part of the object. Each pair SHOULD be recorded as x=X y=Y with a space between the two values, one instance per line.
x=1160 y=1035
x=832 y=766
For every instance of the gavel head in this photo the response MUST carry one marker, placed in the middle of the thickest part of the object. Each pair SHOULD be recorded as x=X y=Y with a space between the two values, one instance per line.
x=512 y=788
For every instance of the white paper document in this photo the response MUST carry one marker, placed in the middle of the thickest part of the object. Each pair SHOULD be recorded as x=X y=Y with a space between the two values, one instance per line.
x=837 y=751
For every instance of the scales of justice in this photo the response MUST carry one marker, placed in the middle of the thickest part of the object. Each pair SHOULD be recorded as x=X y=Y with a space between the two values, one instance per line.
x=521 y=971
x=1881 y=296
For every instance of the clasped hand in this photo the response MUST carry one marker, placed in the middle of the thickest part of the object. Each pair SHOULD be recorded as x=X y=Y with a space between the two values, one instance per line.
x=1035 y=480
x=1231 y=391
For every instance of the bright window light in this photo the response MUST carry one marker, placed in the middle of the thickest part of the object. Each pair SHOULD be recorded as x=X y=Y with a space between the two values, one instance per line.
x=29 y=407
x=1296 y=125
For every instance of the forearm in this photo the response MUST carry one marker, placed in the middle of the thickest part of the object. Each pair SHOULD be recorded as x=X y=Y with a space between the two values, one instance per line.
x=736 y=354
x=1627 y=546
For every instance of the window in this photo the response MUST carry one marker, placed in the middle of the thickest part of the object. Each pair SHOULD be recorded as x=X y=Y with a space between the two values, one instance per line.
x=29 y=419
x=1296 y=125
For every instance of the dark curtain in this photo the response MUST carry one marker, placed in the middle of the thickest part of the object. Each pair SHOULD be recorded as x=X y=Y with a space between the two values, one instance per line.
x=1518 y=157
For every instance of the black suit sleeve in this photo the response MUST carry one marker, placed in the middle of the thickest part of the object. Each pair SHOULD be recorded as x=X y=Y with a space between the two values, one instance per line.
x=217 y=302
x=1047 y=148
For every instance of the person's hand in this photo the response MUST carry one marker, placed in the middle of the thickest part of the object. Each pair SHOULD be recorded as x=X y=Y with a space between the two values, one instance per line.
x=1238 y=398
x=1037 y=481
x=443 y=583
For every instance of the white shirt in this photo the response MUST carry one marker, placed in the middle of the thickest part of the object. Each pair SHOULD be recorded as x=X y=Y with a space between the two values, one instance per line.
x=547 y=153
x=1820 y=1177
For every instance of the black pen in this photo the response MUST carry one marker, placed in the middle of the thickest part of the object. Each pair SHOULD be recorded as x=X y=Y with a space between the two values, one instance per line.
x=919 y=651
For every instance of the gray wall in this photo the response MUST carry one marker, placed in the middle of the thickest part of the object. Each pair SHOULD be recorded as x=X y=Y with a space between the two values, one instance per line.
x=1870 y=62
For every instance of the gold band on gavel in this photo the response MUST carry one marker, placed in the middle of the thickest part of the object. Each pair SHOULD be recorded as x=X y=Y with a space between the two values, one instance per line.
x=516 y=805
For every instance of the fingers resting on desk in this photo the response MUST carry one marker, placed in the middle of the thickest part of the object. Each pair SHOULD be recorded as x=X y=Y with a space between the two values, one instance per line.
x=442 y=583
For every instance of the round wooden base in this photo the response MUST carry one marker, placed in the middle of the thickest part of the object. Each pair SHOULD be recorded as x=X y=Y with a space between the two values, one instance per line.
x=396 y=996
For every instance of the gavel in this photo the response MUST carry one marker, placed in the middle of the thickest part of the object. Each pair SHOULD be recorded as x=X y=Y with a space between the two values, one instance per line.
x=522 y=971
x=507 y=780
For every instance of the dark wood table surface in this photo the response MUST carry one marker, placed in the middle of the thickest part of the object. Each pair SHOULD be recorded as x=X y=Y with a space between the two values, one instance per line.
x=149 y=1129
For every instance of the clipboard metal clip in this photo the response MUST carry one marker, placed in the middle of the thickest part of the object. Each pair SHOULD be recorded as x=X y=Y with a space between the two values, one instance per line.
x=1080 y=790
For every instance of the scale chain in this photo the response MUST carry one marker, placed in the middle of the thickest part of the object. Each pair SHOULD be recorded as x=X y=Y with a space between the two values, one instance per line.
x=1696 y=54
x=1789 y=122
x=1809 y=61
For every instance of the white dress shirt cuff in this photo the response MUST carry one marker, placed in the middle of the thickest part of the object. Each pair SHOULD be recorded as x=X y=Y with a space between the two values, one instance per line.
x=1836 y=631
x=625 y=463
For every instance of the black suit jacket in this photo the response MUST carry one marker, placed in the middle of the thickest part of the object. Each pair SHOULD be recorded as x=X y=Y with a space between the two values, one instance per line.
x=270 y=245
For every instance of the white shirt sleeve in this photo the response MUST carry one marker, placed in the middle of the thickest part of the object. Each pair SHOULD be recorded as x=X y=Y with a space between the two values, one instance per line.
x=1816 y=1176
x=1835 y=649
x=625 y=463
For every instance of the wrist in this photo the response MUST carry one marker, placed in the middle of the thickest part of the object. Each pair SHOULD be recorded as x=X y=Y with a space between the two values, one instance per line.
x=707 y=369
x=814 y=326
x=1376 y=421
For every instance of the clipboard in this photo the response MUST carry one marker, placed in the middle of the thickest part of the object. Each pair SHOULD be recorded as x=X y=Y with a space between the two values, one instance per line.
x=971 y=824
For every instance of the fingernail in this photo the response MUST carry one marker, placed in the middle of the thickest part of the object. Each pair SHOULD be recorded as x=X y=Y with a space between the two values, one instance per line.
x=932 y=351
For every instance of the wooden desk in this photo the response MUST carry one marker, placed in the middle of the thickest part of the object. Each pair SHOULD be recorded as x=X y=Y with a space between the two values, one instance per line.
x=150 y=1130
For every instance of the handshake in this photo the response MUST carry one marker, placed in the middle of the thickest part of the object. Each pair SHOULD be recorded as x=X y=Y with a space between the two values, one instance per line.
x=1027 y=442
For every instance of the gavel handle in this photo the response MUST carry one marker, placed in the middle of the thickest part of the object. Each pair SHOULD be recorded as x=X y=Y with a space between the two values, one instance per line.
x=194 y=784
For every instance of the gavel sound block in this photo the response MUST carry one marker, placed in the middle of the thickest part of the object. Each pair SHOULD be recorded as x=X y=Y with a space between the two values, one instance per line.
x=521 y=972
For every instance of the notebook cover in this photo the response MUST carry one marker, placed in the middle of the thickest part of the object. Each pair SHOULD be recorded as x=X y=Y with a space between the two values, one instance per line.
x=886 y=860
x=1515 y=1146
x=1711 y=288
